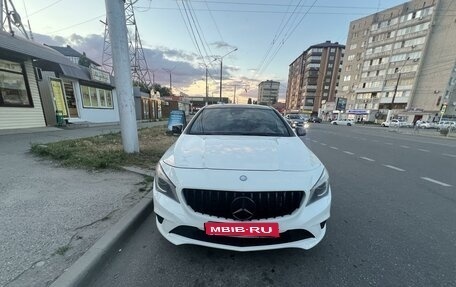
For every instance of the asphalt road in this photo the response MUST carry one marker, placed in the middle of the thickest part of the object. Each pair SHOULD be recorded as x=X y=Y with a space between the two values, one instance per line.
x=393 y=224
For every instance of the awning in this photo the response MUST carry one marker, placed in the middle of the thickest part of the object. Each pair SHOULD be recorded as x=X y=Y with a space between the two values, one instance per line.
x=17 y=44
x=47 y=58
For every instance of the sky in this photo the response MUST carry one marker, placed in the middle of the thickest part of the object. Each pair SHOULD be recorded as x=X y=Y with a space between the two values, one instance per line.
x=268 y=35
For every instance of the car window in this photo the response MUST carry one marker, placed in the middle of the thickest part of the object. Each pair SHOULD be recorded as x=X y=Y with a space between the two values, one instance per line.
x=239 y=121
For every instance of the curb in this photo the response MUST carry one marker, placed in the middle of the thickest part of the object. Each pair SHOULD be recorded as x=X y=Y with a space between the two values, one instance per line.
x=80 y=273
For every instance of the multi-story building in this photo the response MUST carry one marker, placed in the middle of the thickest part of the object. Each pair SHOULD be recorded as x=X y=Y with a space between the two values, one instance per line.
x=400 y=62
x=268 y=92
x=313 y=77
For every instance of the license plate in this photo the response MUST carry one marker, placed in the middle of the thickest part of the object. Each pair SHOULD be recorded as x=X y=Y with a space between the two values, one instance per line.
x=242 y=229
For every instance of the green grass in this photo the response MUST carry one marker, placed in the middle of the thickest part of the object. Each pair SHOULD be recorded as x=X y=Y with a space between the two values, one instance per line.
x=106 y=151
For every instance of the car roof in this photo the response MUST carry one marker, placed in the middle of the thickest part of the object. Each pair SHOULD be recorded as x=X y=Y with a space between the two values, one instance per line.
x=233 y=106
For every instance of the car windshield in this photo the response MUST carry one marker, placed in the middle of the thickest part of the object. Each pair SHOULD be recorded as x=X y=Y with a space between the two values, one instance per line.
x=295 y=117
x=239 y=121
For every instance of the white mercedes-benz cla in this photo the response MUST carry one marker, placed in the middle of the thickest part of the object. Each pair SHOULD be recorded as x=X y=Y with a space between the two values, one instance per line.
x=240 y=178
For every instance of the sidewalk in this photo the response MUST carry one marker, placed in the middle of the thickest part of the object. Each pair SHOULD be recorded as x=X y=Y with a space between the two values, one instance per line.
x=51 y=215
x=433 y=133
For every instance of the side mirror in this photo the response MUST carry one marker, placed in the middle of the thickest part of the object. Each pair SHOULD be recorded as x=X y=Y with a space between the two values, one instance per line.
x=300 y=131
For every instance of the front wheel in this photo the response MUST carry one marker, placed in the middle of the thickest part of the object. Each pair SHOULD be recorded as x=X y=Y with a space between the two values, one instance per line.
x=349 y=125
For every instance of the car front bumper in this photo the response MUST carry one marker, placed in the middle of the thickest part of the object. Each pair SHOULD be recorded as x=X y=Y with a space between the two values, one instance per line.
x=179 y=224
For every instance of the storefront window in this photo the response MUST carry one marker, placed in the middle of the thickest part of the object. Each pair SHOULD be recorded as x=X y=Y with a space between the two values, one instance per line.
x=109 y=99
x=13 y=86
x=96 y=98
x=85 y=96
x=93 y=97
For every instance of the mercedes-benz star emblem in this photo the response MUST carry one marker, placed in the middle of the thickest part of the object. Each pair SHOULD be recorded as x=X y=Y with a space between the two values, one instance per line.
x=243 y=208
x=243 y=178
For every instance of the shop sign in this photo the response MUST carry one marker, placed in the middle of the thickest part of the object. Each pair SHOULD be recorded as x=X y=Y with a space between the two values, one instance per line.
x=100 y=76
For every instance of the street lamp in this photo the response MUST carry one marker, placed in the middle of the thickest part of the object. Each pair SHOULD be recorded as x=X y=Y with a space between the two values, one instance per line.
x=221 y=69
x=207 y=87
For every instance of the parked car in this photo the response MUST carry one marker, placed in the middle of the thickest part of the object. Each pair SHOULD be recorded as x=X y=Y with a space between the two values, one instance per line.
x=427 y=125
x=296 y=120
x=395 y=123
x=315 y=120
x=345 y=122
x=446 y=124
x=229 y=182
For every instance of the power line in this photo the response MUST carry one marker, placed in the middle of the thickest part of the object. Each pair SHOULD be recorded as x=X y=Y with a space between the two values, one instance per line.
x=44 y=8
x=215 y=22
x=286 y=5
x=276 y=37
x=261 y=11
x=77 y=24
x=287 y=37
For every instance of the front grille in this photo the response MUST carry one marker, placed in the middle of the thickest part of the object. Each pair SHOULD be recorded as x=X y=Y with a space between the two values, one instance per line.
x=268 y=204
x=200 y=235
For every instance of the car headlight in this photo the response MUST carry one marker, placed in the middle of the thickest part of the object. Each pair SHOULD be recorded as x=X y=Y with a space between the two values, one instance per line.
x=320 y=189
x=306 y=125
x=163 y=184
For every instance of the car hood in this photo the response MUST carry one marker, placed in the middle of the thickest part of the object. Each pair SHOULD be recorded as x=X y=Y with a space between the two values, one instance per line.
x=241 y=153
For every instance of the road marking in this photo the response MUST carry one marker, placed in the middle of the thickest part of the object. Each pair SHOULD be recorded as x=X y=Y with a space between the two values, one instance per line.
x=323 y=144
x=375 y=141
x=393 y=167
x=450 y=155
x=388 y=143
x=405 y=146
x=348 y=152
x=366 y=158
x=333 y=147
x=436 y=181
x=425 y=150
x=314 y=141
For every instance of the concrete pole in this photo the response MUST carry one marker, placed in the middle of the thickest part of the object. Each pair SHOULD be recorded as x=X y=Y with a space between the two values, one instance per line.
x=221 y=68
x=115 y=14
x=1 y=15
x=207 y=90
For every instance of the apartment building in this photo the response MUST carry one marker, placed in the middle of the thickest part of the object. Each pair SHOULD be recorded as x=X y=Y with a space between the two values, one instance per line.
x=268 y=92
x=400 y=63
x=313 y=77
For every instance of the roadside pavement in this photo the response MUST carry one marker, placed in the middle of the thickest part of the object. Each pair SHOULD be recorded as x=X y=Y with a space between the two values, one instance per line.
x=433 y=133
x=51 y=215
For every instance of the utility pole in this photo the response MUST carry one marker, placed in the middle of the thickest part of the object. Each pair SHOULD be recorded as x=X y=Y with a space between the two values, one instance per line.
x=234 y=99
x=170 y=79
x=390 y=110
x=115 y=14
x=221 y=69
x=207 y=89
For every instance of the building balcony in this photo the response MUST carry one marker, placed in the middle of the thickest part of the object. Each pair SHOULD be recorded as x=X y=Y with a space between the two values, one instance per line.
x=415 y=21
x=412 y=35
x=403 y=75
x=368 y=90
x=397 y=100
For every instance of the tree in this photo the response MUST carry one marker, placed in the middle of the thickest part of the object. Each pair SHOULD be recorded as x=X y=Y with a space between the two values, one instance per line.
x=164 y=91
x=249 y=101
x=142 y=86
x=83 y=60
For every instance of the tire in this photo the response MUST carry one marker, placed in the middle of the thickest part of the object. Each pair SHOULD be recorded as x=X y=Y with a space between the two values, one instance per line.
x=349 y=124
